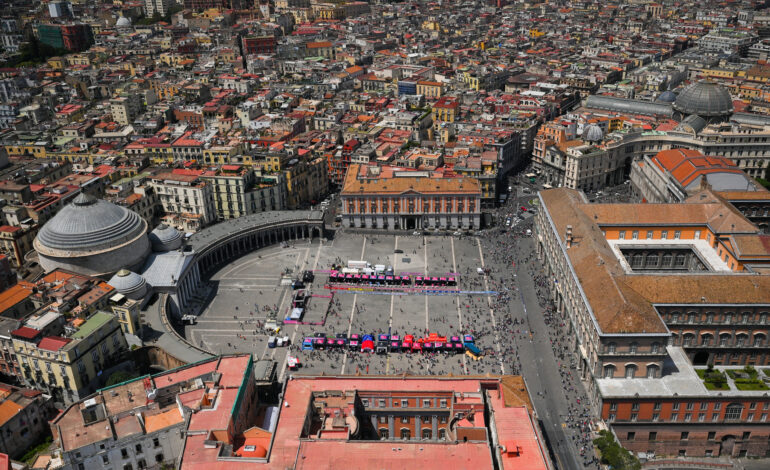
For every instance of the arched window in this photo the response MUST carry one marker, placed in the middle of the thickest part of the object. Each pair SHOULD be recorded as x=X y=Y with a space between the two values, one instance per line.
x=637 y=260
x=724 y=338
x=405 y=433
x=427 y=433
x=667 y=260
x=733 y=411
x=442 y=433
x=630 y=371
x=687 y=339
x=759 y=339
x=609 y=371
x=384 y=434
x=653 y=371
x=741 y=339
x=652 y=260
x=705 y=340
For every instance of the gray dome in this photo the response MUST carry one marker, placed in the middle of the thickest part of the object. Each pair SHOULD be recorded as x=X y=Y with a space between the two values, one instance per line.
x=89 y=224
x=667 y=96
x=706 y=99
x=123 y=22
x=165 y=238
x=92 y=237
x=129 y=283
x=593 y=133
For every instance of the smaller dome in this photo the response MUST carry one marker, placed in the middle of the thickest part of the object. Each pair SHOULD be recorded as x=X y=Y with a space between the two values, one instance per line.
x=165 y=238
x=667 y=96
x=593 y=133
x=123 y=22
x=129 y=283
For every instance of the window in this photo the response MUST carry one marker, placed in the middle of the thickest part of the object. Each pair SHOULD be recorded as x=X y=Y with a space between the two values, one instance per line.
x=611 y=348
x=426 y=420
x=128 y=466
x=622 y=235
x=124 y=453
x=443 y=403
x=635 y=235
x=609 y=371
x=653 y=436
x=630 y=436
x=442 y=433
x=405 y=419
x=404 y=403
x=655 y=347
x=155 y=442
x=365 y=402
x=442 y=419
x=105 y=459
x=687 y=417
x=746 y=435
x=141 y=464
x=405 y=434
x=690 y=406
x=733 y=411
x=675 y=406
x=633 y=347
x=381 y=403
x=613 y=406
x=677 y=235
x=664 y=234
x=139 y=448
x=634 y=417
x=649 y=235
x=159 y=458
x=630 y=371
x=426 y=403
x=712 y=435
x=384 y=433
x=717 y=406
x=674 y=417
x=685 y=435
x=383 y=419
x=656 y=406
x=427 y=433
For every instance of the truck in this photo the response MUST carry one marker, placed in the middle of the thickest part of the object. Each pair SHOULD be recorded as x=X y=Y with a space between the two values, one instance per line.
x=349 y=271
x=379 y=269
x=358 y=264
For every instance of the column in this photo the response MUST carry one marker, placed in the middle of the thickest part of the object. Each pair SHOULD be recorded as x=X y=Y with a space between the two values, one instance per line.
x=417 y=427
x=392 y=428
x=434 y=427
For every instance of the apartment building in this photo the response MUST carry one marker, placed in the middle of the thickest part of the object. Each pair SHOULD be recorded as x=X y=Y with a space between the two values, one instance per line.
x=187 y=198
x=238 y=191
x=71 y=364
x=24 y=416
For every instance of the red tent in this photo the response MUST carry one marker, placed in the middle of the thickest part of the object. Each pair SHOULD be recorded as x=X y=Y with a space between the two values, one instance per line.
x=367 y=346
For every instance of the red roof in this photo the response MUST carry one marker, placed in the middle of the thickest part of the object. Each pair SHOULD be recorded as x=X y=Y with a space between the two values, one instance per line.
x=26 y=332
x=53 y=343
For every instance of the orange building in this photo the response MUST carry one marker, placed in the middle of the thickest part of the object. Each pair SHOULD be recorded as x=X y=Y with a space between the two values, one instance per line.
x=379 y=197
x=669 y=310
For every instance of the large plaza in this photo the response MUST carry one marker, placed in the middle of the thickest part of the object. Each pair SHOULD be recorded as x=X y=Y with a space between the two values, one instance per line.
x=247 y=292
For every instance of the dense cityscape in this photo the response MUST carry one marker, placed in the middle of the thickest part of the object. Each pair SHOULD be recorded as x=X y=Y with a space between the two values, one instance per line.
x=326 y=234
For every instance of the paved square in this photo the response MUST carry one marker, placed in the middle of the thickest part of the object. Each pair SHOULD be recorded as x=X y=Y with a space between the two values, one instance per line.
x=247 y=290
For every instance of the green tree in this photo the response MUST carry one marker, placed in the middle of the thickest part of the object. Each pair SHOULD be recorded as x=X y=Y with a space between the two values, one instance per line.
x=119 y=377
x=613 y=454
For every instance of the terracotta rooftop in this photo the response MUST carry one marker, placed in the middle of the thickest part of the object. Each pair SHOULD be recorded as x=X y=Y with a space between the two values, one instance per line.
x=354 y=185
x=624 y=303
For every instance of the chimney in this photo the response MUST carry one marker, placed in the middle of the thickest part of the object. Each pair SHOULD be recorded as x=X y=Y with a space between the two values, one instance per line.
x=568 y=237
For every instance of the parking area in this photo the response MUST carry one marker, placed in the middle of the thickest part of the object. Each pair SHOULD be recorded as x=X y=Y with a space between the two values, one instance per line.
x=248 y=290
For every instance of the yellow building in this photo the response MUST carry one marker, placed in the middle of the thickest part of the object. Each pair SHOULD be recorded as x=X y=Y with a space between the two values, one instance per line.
x=27 y=150
x=126 y=311
x=471 y=79
x=70 y=367
x=56 y=63
x=445 y=110
x=429 y=89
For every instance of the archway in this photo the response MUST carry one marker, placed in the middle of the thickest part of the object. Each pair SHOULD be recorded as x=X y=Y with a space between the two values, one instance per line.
x=726 y=446
x=701 y=358
x=411 y=223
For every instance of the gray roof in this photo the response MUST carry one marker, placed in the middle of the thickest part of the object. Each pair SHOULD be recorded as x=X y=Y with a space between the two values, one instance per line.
x=165 y=269
x=667 y=96
x=128 y=282
x=593 y=133
x=212 y=234
x=89 y=224
x=165 y=238
x=692 y=123
x=724 y=182
x=625 y=105
x=750 y=118
x=704 y=98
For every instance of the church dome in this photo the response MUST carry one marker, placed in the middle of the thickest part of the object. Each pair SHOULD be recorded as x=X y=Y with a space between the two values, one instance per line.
x=593 y=133
x=706 y=99
x=123 y=22
x=129 y=283
x=92 y=237
x=165 y=238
